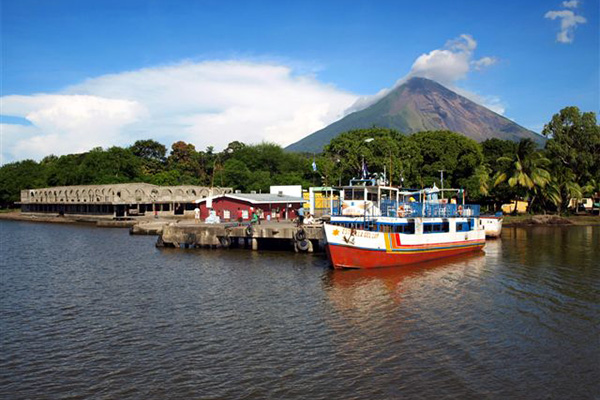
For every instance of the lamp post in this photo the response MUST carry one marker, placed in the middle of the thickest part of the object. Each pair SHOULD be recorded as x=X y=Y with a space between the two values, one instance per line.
x=367 y=140
x=340 y=172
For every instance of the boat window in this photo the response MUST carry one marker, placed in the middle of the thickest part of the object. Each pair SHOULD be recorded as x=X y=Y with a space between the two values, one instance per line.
x=372 y=197
x=352 y=194
x=436 y=227
x=405 y=228
x=463 y=227
x=384 y=228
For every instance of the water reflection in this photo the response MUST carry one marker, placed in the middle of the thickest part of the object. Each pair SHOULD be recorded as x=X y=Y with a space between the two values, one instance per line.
x=552 y=265
x=364 y=289
x=546 y=245
x=91 y=313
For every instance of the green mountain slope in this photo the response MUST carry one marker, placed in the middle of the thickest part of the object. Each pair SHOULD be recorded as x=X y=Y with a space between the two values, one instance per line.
x=418 y=105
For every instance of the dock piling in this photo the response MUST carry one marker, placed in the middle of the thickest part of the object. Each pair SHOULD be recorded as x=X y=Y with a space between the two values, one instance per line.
x=282 y=234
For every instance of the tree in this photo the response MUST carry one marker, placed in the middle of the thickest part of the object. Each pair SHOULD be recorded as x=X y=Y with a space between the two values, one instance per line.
x=115 y=165
x=64 y=170
x=378 y=147
x=573 y=148
x=526 y=169
x=328 y=166
x=17 y=176
x=493 y=149
x=454 y=153
x=574 y=144
x=149 y=150
x=236 y=174
x=152 y=155
x=188 y=162
x=233 y=147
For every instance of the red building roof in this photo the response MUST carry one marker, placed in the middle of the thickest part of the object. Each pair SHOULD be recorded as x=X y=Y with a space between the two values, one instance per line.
x=258 y=198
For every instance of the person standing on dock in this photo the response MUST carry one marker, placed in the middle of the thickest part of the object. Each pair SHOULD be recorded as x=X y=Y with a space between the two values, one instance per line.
x=197 y=214
x=240 y=215
x=301 y=215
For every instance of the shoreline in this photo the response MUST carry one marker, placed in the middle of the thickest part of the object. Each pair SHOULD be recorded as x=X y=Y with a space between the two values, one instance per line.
x=108 y=221
x=99 y=221
x=550 y=220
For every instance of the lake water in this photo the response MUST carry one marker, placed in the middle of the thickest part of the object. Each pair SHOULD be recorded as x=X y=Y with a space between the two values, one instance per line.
x=95 y=313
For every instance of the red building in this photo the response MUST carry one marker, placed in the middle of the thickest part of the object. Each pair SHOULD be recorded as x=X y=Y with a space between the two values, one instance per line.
x=273 y=206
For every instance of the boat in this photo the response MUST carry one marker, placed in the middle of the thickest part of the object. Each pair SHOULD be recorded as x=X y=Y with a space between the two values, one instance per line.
x=492 y=224
x=381 y=226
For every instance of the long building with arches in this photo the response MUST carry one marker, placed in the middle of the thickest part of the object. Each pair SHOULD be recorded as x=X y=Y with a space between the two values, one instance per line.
x=118 y=200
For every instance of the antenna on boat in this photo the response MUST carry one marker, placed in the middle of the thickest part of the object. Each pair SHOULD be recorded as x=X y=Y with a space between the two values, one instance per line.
x=442 y=179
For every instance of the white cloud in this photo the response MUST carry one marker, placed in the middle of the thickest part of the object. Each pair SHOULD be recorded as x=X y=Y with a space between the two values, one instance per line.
x=64 y=123
x=568 y=22
x=570 y=4
x=447 y=66
x=484 y=62
x=208 y=104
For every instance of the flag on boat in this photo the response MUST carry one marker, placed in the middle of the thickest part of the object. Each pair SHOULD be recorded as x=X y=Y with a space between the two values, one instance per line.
x=365 y=172
x=314 y=165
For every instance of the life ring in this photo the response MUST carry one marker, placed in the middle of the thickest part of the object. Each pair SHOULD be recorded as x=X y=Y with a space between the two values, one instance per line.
x=303 y=245
x=401 y=211
x=300 y=235
x=460 y=210
x=225 y=241
x=249 y=230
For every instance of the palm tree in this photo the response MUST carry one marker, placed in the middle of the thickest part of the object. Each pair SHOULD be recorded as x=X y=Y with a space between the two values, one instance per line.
x=526 y=169
x=482 y=175
x=563 y=188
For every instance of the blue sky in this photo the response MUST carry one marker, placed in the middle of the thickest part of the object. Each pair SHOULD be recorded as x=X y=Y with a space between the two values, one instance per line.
x=79 y=74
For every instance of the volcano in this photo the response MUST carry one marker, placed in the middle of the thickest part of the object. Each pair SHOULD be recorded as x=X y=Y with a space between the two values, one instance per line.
x=417 y=105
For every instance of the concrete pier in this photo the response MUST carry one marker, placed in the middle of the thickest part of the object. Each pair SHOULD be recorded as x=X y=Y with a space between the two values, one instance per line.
x=174 y=232
x=268 y=235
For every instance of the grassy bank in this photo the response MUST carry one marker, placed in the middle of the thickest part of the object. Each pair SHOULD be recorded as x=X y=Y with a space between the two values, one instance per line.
x=527 y=219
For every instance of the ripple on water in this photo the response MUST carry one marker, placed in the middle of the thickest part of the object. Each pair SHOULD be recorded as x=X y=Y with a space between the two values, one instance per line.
x=93 y=313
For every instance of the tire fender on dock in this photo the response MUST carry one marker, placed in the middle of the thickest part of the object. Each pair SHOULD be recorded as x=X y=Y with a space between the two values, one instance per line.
x=300 y=235
x=303 y=245
x=225 y=241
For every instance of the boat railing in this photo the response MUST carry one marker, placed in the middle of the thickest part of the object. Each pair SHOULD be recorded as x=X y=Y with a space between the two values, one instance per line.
x=391 y=208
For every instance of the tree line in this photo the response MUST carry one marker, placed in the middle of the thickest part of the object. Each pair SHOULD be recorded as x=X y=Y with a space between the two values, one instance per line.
x=492 y=172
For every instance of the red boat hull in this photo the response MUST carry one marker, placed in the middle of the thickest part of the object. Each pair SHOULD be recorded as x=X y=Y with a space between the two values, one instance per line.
x=351 y=257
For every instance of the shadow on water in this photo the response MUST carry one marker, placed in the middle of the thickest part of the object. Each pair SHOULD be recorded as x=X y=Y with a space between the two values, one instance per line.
x=391 y=278
x=378 y=292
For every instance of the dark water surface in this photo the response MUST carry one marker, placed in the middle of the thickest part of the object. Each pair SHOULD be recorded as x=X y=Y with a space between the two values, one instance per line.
x=96 y=313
